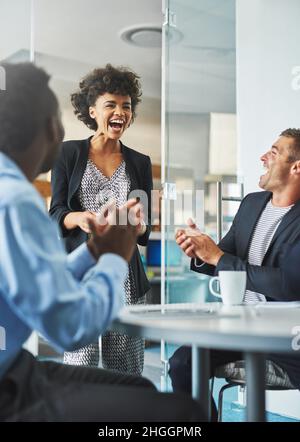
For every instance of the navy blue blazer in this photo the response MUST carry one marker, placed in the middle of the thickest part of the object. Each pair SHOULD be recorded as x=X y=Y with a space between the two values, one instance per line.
x=268 y=279
x=278 y=278
x=65 y=181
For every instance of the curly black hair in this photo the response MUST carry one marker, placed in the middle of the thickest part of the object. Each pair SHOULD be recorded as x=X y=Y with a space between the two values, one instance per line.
x=110 y=79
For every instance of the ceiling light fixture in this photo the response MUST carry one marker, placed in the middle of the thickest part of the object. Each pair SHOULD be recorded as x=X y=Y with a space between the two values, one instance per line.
x=144 y=36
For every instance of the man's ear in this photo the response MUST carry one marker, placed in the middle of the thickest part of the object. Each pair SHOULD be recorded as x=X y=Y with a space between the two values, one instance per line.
x=296 y=168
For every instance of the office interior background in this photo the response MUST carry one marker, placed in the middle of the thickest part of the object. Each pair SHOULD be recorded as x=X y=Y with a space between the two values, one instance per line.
x=220 y=80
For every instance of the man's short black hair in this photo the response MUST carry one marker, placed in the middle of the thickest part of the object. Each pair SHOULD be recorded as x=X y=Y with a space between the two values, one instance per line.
x=295 y=150
x=25 y=105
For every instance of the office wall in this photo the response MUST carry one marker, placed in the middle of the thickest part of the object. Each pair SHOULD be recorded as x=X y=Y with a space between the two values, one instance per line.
x=268 y=86
x=189 y=143
x=222 y=144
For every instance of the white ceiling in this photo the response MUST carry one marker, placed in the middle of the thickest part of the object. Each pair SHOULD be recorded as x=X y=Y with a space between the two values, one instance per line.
x=202 y=64
x=73 y=36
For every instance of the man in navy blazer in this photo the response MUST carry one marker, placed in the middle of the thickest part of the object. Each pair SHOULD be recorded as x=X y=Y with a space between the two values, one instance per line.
x=259 y=240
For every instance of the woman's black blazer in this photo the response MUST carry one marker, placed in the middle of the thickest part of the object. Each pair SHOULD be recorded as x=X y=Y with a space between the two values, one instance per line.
x=65 y=181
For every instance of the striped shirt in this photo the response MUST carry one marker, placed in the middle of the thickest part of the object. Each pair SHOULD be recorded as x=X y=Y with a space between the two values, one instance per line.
x=263 y=233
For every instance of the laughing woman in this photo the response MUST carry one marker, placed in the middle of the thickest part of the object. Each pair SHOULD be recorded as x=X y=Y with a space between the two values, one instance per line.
x=87 y=174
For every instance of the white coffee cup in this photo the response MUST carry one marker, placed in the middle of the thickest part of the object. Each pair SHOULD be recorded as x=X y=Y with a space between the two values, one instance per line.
x=232 y=285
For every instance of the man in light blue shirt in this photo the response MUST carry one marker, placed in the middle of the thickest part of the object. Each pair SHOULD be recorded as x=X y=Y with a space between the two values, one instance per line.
x=70 y=299
x=42 y=284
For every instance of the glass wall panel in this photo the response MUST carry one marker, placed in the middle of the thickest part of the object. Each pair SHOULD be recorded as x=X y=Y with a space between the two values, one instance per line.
x=72 y=37
x=199 y=138
x=200 y=130
x=15 y=30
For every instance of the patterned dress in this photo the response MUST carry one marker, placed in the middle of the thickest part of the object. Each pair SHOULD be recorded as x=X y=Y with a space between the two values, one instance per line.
x=119 y=352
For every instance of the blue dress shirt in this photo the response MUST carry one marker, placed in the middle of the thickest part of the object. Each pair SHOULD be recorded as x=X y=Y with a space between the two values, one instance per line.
x=69 y=299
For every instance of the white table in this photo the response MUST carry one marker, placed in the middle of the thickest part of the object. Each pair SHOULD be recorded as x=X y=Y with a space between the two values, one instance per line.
x=255 y=330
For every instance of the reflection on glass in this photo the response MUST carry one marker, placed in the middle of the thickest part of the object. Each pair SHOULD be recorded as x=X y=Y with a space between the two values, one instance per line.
x=200 y=127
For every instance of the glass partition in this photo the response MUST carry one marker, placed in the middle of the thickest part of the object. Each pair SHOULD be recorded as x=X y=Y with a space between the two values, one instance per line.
x=15 y=31
x=199 y=137
x=200 y=130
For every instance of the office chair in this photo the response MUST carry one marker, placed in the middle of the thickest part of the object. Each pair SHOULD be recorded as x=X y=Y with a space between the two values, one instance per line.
x=235 y=376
